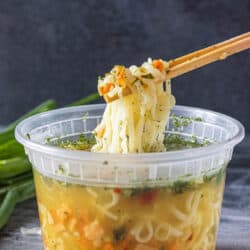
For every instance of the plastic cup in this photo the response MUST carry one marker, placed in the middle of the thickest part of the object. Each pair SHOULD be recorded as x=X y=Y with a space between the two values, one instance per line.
x=150 y=201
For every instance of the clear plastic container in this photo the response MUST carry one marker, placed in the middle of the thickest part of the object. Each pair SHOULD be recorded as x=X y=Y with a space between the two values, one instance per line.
x=150 y=201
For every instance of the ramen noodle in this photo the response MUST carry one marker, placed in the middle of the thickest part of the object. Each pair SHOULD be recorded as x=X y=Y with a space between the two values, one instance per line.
x=178 y=214
x=182 y=216
x=135 y=123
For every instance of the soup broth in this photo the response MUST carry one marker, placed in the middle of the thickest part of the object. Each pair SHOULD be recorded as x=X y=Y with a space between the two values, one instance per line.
x=178 y=216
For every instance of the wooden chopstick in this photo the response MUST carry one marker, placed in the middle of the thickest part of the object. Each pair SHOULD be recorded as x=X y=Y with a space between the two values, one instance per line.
x=200 y=58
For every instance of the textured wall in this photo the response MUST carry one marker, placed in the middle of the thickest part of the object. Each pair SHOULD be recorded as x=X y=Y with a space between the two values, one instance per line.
x=58 y=48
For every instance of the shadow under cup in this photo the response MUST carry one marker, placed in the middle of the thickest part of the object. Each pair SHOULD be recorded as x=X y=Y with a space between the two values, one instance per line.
x=150 y=201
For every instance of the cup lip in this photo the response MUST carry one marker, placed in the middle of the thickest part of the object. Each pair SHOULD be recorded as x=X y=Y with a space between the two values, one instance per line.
x=169 y=156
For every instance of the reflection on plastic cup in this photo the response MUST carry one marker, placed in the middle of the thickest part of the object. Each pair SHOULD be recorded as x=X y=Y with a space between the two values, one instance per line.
x=170 y=200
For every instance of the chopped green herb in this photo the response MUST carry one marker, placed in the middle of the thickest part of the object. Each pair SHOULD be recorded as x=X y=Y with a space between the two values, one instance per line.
x=180 y=186
x=183 y=121
x=119 y=234
x=198 y=119
x=208 y=178
x=48 y=139
x=83 y=143
x=162 y=248
x=218 y=176
x=28 y=136
x=84 y=118
x=137 y=191
x=136 y=79
x=148 y=76
x=213 y=230
x=176 y=142
x=143 y=70
x=61 y=170
x=120 y=124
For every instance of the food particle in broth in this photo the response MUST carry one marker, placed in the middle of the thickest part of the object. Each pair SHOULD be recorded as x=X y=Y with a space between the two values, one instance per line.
x=182 y=214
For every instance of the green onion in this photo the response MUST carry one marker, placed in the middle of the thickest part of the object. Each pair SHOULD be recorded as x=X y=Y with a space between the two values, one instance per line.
x=13 y=167
x=13 y=180
x=7 y=206
x=11 y=149
x=17 y=193
x=16 y=179
x=86 y=100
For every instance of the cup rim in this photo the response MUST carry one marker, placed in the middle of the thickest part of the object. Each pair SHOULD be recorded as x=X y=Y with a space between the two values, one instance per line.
x=169 y=156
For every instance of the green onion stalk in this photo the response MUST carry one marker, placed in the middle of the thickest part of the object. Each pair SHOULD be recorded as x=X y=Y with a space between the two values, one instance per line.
x=16 y=179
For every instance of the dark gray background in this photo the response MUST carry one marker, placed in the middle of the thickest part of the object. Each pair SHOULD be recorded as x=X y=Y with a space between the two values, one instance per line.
x=57 y=48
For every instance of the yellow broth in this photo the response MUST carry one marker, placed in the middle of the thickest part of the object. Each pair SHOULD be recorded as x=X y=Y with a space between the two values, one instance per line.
x=179 y=217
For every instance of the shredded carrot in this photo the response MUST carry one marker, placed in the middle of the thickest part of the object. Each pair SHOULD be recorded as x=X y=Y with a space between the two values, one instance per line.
x=107 y=88
x=80 y=224
x=158 y=64
x=172 y=246
x=125 y=244
x=100 y=133
x=147 y=197
x=84 y=244
x=121 y=76
x=109 y=246
x=117 y=190
x=54 y=216
x=190 y=237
